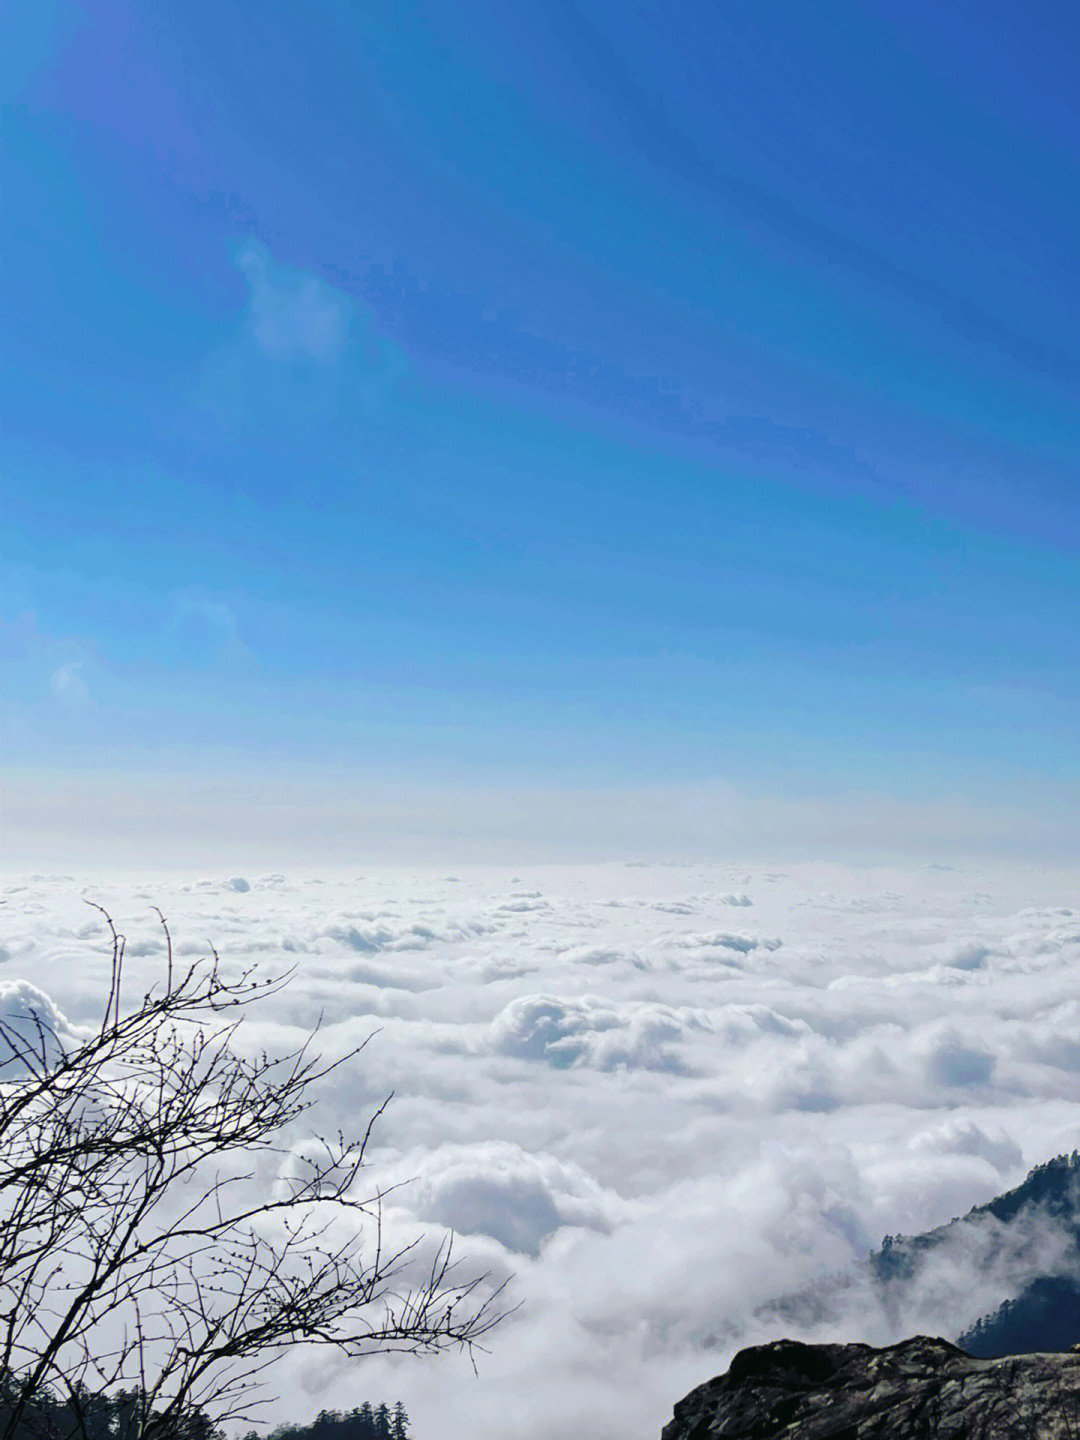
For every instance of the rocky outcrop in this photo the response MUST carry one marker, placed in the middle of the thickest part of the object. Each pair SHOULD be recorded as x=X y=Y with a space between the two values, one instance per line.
x=915 y=1390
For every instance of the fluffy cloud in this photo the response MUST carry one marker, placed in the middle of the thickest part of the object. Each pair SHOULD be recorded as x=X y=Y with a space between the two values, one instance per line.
x=591 y=1031
x=371 y=932
x=954 y=1060
x=960 y=1135
x=500 y=1190
x=32 y=1028
x=724 y=940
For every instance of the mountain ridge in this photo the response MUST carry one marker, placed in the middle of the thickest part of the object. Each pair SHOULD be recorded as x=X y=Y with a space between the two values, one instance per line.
x=1028 y=1237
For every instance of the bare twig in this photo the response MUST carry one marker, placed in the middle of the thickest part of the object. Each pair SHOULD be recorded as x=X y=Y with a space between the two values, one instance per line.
x=130 y=1263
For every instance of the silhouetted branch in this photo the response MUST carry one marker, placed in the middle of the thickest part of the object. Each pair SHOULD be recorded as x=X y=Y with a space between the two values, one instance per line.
x=127 y=1259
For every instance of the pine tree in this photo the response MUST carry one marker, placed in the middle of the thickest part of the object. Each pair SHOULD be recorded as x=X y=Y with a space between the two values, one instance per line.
x=399 y=1428
x=382 y=1423
x=325 y=1425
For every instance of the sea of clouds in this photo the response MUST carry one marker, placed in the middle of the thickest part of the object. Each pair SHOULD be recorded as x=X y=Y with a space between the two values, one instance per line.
x=653 y=1098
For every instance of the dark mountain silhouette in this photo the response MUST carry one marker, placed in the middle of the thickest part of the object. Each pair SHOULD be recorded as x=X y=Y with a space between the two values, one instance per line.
x=1052 y=1190
x=1045 y=1314
x=1007 y=1237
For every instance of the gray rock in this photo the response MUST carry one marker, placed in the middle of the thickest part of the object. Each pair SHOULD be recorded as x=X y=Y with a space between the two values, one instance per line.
x=915 y=1390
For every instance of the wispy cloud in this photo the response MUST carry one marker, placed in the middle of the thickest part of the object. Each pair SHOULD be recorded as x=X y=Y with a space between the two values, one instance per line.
x=68 y=684
x=292 y=313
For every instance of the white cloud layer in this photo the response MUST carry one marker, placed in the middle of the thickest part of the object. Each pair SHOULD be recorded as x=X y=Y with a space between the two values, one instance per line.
x=657 y=1097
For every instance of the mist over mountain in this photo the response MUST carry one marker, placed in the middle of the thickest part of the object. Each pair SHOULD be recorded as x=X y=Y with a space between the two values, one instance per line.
x=1025 y=1244
x=1015 y=1228
x=1014 y=1372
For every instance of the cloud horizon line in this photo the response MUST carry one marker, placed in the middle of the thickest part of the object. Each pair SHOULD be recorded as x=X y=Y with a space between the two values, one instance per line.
x=105 y=818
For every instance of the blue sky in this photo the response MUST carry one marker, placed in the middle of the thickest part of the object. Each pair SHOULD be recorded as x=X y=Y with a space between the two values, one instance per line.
x=562 y=399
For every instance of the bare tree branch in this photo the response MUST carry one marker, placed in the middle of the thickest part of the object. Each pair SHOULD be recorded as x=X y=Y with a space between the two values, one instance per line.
x=132 y=1256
